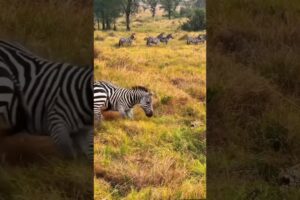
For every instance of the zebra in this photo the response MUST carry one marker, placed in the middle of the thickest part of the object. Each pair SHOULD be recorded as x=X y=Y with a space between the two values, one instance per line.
x=128 y=41
x=152 y=41
x=102 y=91
x=166 y=39
x=160 y=35
x=56 y=97
x=195 y=40
x=114 y=98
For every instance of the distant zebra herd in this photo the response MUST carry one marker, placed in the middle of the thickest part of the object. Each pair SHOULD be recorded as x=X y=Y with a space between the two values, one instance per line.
x=109 y=97
x=152 y=41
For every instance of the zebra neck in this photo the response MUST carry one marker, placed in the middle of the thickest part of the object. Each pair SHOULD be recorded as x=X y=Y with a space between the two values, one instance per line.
x=134 y=98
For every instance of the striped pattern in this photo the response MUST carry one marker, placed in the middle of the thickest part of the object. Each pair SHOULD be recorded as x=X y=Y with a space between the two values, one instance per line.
x=195 y=40
x=114 y=98
x=127 y=41
x=57 y=98
x=152 y=41
x=166 y=39
x=158 y=39
x=102 y=92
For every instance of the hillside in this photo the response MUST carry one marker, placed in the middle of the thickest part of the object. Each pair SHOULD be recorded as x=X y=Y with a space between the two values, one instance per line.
x=163 y=157
x=253 y=98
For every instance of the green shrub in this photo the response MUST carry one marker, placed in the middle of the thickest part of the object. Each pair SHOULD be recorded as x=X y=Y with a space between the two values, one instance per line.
x=196 y=21
x=166 y=100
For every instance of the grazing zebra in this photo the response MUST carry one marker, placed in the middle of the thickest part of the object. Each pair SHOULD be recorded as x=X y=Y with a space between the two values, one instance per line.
x=128 y=41
x=57 y=99
x=114 y=98
x=166 y=39
x=195 y=40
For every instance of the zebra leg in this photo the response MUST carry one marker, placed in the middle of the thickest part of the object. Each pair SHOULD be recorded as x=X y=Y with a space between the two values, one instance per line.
x=129 y=113
x=97 y=118
x=84 y=141
x=62 y=139
x=122 y=111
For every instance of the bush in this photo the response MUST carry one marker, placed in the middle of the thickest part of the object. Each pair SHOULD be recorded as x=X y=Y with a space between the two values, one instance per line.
x=186 y=12
x=196 y=21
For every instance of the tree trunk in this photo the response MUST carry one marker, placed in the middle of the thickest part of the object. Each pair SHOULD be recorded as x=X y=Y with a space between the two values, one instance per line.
x=169 y=14
x=153 y=10
x=115 y=26
x=108 y=27
x=98 y=24
x=103 y=24
x=128 y=21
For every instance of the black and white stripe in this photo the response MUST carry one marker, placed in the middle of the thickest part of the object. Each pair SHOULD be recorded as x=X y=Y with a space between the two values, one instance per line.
x=152 y=41
x=57 y=98
x=102 y=92
x=127 y=41
x=166 y=39
x=114 y=98
x=195 y=40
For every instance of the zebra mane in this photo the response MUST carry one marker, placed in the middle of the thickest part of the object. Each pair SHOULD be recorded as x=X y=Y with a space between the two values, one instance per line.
x=142 y=88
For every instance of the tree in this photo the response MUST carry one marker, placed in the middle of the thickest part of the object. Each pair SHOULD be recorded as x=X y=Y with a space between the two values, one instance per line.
x=107 y=11
x=152 y=4
x=170 y=6
x=200 y=3
x=196 y=22
x=129 y=7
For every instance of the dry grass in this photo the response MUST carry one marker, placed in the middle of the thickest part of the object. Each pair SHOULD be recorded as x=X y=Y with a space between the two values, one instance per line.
x=162 y=157
x=59 y=31
x=31 y=167
x=253 y=92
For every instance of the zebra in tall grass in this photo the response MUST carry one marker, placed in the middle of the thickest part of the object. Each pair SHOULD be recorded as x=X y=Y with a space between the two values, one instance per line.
x=166 y=39
x=150 y=41
x=128 y=41
x=108 y=97
x=57 y=99
x=102 y=92
x=154 y=40
x=195 y=40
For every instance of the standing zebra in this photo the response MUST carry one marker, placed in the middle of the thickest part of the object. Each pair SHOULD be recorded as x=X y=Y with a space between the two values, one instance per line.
x=166 y=39
x=160 y=35
x=57 y=98
x=152 y=41
x=128 y=41
x=195 y=40
x=113 y=98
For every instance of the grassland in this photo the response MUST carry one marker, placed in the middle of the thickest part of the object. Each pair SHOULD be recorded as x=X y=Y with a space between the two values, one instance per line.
x=163 y=157
x=253 y=98
x=30 y=167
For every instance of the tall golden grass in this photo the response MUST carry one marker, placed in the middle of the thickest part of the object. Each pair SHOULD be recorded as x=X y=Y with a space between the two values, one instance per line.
x=54 y=29
x=253 y=97
x=162 y=157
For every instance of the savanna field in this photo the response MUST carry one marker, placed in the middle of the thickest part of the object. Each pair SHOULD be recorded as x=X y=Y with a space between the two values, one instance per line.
x=163 y=157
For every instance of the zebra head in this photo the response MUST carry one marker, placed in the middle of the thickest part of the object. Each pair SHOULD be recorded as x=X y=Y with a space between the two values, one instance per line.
x=161 y=35
x=169 y=36
x=132 y=36
x=145 y=100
